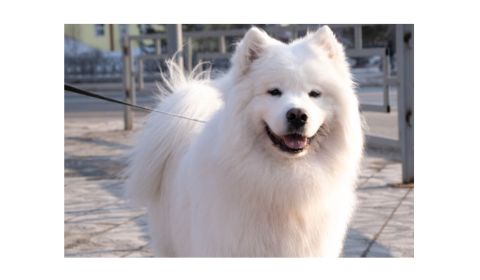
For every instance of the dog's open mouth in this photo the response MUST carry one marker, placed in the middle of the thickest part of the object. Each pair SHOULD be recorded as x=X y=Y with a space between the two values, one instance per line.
x=290 y=143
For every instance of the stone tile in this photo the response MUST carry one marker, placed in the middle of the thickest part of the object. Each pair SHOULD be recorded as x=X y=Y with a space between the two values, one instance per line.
x=372 y=182
x=379 y=251
x=376 y=201
x=142 y=253
x=355 y=244
x=398 y=235
x=77 y=235
x=128 y=236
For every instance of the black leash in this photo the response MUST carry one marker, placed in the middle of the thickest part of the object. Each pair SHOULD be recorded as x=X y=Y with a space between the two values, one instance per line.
x=74 y=89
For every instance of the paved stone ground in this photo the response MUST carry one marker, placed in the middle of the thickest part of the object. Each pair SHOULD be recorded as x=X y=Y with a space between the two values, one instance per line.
x=99 y=223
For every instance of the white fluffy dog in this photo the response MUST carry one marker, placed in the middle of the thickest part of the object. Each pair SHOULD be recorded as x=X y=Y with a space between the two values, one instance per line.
x=272 y=171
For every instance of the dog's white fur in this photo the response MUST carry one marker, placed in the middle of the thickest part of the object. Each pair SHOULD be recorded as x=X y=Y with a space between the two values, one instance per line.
x=222 y=188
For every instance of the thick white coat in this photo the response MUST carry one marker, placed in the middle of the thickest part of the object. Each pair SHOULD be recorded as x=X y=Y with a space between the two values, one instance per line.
x=222 y=188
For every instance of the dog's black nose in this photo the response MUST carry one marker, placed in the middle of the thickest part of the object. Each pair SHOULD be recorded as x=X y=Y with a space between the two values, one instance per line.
x=296 y=117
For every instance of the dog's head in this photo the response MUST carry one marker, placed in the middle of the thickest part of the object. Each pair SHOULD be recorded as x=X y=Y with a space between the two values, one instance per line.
x=292 y=92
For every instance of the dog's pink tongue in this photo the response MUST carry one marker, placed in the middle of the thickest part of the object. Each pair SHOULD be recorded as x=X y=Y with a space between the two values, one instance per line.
x=295 y=141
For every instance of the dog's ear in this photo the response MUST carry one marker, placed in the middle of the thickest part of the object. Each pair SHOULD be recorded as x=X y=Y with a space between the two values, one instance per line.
x=325 y=38
x=249 y=49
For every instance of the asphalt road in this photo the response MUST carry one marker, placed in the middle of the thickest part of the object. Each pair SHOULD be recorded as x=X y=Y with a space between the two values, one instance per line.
x=79 y=106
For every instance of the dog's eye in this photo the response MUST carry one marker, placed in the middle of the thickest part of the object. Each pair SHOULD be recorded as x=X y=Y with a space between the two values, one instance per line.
x=274 y=92
x=315 y=93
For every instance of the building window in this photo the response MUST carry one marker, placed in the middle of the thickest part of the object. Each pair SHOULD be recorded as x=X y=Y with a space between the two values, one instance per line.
x=99 y=30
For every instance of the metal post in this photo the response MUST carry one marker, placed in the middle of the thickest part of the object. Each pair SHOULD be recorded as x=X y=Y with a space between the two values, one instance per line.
x=189 y=54
x=158 y=46
x=404 y=49
x=112 y=37
x=133 y=96
x=357 y=36
x=140 y=74
x=127 y=85
x=223 y=45
x=174 y=42
x=386 y=85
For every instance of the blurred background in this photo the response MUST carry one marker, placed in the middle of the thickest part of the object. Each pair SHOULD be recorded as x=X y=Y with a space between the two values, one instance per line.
x=93 y=52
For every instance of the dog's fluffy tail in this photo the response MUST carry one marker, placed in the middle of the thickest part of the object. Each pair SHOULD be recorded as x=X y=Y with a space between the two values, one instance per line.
x=165 y=138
